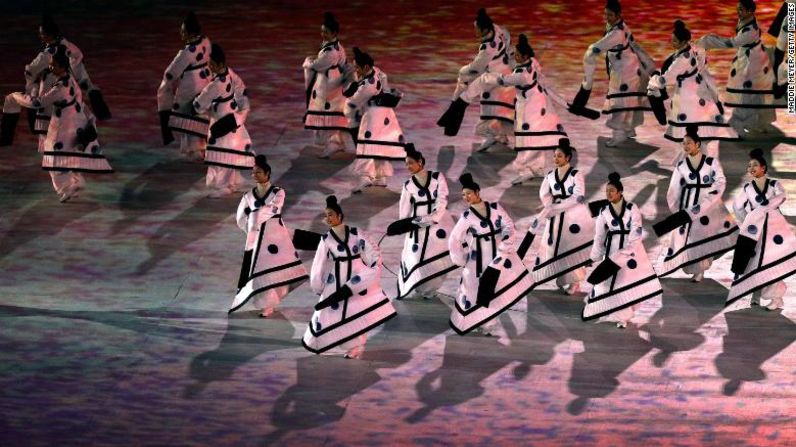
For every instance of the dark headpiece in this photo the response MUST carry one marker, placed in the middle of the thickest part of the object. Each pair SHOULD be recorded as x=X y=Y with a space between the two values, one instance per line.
x=748 y=5
x=757 y=154
x=361 y=58
x=523 y=47
x=692 y=132
x=261 y=162
x=482 y=20
x=49 y=26
x=613 y=5
x=412 y=153
x=330 y=22
x=467 y=181
x=331 y=203
x=192 y=24
x=563 y=146
x=60 y=57
x=681 y=32
x=217 y=54
x=615 y=180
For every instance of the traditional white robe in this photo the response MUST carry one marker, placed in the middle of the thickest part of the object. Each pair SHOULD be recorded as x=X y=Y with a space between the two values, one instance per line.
x=566 y=228
x=537 y=127
x=380 y=138
x=694 y=98
x=497 y=102
x=40 y=122
x=271 y=263
x=183 y=80
x=40 y=64
x=712 y=231
x=749 y=86
x=628 y=70
x=619 y=238
x=476 y=242
x=774 y=255
x=323 y=79
x=353 y=261
x=425 y=259
x=232 y=153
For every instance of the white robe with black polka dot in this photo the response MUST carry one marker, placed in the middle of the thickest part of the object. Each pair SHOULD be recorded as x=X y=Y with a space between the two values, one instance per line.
x=774 y=257
x=352 y=260
x=184 y=78
x=324 y=76
x=477 y=242
x=618 y=237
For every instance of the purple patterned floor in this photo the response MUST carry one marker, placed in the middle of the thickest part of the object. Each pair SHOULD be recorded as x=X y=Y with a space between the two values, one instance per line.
x=113 y=325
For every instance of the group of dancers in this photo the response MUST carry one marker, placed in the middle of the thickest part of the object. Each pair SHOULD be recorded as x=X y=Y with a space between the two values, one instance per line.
x=205 y=103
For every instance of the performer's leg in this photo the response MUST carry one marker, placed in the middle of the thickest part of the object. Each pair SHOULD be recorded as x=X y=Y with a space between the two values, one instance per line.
x=355 y=347
x=269 y=299
x=775 y=292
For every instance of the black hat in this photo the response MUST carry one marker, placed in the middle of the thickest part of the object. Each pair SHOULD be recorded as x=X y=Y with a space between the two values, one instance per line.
x=482 y=20
x=523 y=47
x=49 y=26
x=615 y=180
x=192 y=24
x=748 y=5
x=361 y=58
x=613 y=5
x=330 y=22
x=412 y=153
x=262 y=162
x=692 y=132
x=331 y=203
x=217 y=54
x=467 y=182
x=757 y=154
x=681 y=32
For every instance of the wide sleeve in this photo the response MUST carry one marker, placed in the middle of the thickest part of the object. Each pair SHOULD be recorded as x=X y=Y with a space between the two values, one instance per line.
x=242 y=215
x=716 y=192
x=636 y=229
x=740 y=205
x=507 y=233
x=34 y=70
x=674 y=191
x=456 y=243
x=358 y=101
x=204 y=100
x=441 y=204
x=598 y=247
x=370 y=275
x=405 y=204
x=770 y=204
x=321 y=63
x=170 y=77
x=477 y=65
x=513 y=79
x=319 y=268
x=56 y=93
x=669 y=77
x=711 y=41
x=577 y=196
x=597 y=50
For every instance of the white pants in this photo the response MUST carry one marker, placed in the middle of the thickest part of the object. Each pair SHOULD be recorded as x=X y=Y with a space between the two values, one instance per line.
x=331 y=138
x=192 y=146
x=62 y=181
x=219 y=178
x=270 y=298
x=369 y=168
x=356 y=342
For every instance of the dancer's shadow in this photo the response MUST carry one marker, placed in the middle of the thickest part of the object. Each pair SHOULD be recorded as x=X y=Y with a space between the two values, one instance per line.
x=485 y=166
x=37 y=222
x=621 y=160
x=325 y=383
x=754 y=336
x=459 y=378
x=685 y=309
x=246 y=337
x=189 y=226
x=155 y=188
x=306 y=174
x=607 y=350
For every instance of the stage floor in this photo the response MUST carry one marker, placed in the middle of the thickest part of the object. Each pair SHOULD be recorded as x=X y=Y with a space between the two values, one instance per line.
x=113 y=307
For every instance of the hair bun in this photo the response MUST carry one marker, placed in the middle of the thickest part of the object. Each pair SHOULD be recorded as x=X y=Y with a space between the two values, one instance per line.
x=331 y=201
x=261 y=158
x=466 y=178
x=522 y=39
x=679 y=25
x=756 y=153
x=614 y=177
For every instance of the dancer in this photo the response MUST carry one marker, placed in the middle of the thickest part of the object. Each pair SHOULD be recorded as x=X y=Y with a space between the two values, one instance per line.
x=229 y=149
x=270 y=262
x=324 y=77
x=184 y=78
x=565 y=223
x=425 y=258
x=537 y=127
x=749 y=87
x=70 y=147
x=371 y=117
x=497 y=102
x=705 y=229
x=694 y=98
x=345 y=273
x=779 y=30
x=493 y=276
x=629 y=67
x=624 y=277
x=764 y=255
x=38 y=119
